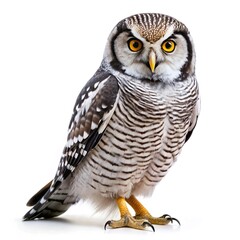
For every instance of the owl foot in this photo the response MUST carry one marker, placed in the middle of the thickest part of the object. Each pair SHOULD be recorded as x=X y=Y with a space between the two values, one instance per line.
x=126 y=219
x=129 y=221
x=141 y=220
x=142 y=213
x=163 y=220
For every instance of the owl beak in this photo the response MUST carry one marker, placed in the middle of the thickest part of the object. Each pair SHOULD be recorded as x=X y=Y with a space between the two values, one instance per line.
x=152 y=60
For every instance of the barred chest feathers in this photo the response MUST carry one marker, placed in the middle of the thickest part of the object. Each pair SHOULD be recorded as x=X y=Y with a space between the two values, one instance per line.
x=142 y=139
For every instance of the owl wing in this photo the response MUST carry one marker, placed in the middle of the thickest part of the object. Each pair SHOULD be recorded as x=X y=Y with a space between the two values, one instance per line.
x=92 y=112
x=194 y=119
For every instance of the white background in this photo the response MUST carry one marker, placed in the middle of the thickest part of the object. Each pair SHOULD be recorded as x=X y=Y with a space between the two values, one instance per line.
x=49 y=50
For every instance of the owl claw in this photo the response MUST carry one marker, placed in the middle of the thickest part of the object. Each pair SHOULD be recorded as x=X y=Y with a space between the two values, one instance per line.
x=107 y=224
x=171 y=219
x=149 y=225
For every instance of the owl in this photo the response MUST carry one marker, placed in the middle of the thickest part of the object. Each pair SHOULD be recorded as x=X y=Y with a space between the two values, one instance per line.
x=129 y=123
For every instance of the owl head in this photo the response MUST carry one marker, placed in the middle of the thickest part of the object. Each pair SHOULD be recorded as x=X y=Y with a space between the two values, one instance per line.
x=151 y=46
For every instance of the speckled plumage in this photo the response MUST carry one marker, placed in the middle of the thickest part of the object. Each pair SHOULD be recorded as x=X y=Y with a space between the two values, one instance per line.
x=129 y=123
x=153 y=26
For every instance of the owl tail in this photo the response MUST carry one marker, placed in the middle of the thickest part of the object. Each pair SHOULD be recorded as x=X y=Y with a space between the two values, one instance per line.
x=48 y=204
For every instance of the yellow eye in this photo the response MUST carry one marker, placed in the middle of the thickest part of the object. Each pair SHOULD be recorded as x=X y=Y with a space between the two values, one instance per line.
x=168 y=46
x=135 y=45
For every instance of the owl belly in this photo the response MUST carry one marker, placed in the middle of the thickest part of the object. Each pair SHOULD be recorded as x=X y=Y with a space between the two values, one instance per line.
x=132 y=156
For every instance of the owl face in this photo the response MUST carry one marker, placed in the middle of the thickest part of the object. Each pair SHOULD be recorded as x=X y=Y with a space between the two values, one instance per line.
x=151 y=47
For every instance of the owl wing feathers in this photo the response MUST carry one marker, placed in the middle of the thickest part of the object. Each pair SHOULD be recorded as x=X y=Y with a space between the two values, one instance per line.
x=92 y=112
x=194 y=119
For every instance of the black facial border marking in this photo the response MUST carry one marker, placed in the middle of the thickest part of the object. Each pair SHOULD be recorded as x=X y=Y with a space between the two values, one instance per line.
x=121 y=27
x=186 y=67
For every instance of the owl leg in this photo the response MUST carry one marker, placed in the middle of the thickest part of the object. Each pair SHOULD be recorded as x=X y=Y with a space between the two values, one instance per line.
x=142 y=213
x=127 y=220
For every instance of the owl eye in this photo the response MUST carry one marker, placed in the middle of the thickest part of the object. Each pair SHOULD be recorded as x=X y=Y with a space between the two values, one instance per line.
x=168 y=46
x=135 y=45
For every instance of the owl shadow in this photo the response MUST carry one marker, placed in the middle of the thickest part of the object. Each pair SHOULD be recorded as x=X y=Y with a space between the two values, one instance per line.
x=73 y=220
x=91 y=222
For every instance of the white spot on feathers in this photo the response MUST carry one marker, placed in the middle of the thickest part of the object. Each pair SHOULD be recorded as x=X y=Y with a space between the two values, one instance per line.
x=104 y=106
x=85 y=135
x=70 y=167
x=96 y=84
x=83 y=152
x=80 y=138
x=93 y=125
x=43 y=200
x=32 y=211
x=69 y=143
x=83 y=96
x=75 y=139
x=77 y=107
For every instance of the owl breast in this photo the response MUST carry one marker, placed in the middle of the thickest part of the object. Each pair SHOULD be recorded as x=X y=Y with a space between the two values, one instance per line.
x=141 y=142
